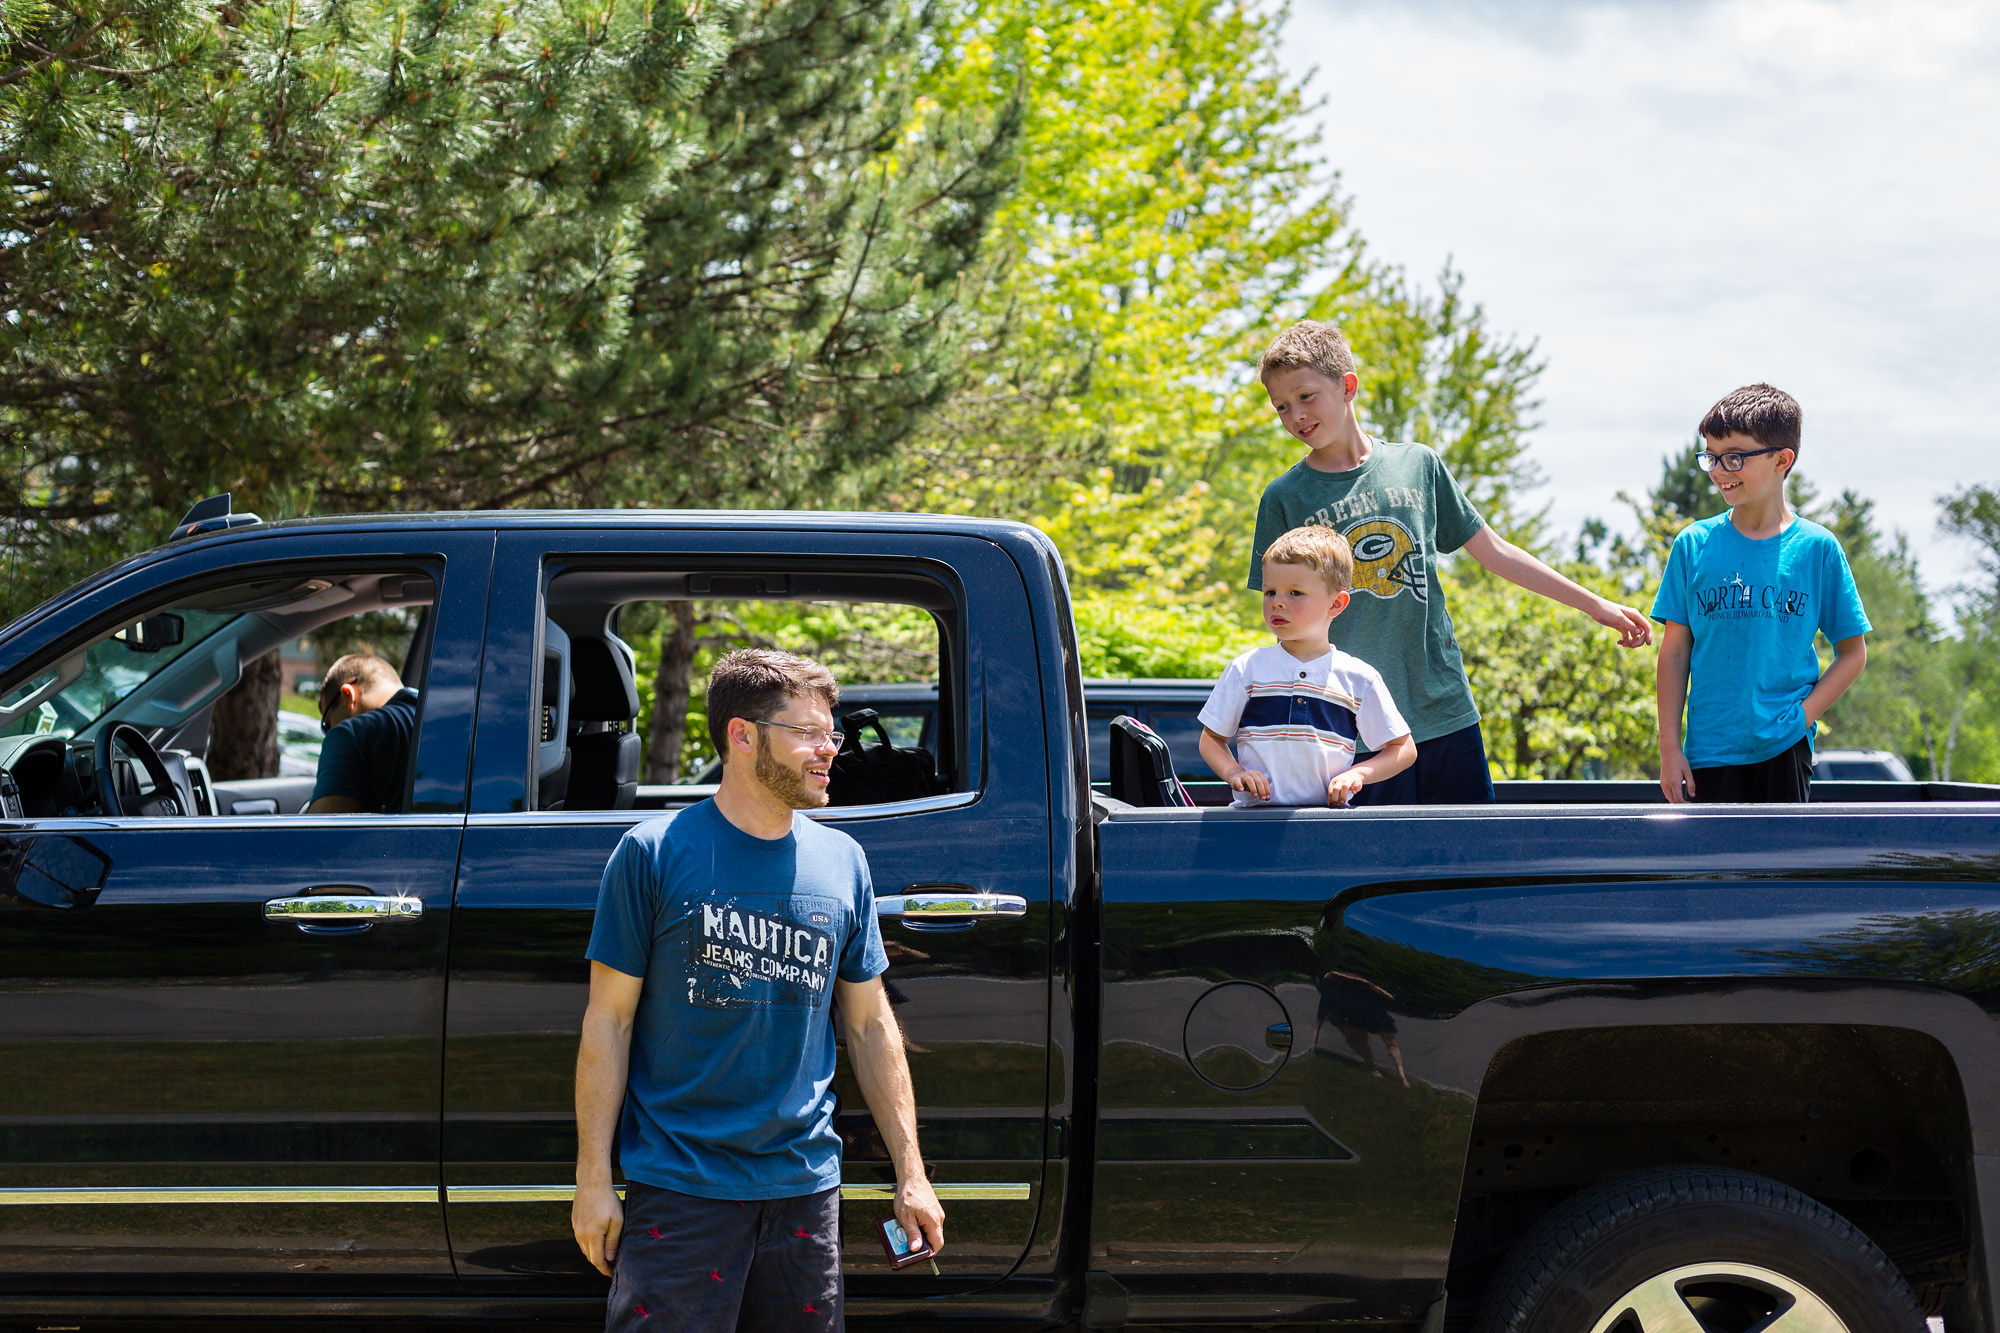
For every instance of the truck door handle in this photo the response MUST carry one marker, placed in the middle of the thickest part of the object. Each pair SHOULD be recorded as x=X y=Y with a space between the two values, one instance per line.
x=342 y=910
x=948 y=906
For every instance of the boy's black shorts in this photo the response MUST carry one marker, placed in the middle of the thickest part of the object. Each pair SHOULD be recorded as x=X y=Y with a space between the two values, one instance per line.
x=1450 y=770
x=694 y=1265
x=1785 y=777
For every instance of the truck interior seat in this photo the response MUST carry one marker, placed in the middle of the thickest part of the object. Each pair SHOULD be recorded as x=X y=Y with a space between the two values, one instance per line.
x=1142 y=767
x=603 y=726
x=552 y=760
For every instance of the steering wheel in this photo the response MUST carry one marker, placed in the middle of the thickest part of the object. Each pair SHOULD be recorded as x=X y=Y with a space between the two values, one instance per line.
x=163 y=801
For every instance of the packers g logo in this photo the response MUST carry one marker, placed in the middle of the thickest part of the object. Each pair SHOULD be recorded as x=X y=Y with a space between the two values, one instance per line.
x=1387 y=560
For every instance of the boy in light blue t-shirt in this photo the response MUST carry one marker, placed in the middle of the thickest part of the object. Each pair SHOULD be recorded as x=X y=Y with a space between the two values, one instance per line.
x=1745 y=594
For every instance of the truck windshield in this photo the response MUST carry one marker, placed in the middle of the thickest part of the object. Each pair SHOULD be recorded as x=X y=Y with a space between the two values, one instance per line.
x=114 y=666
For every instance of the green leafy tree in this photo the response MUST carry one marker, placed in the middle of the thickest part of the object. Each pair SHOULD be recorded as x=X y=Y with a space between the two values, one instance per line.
x=1558 y=697
x=346 y=254
x=350 y=255
x=1175 y=211
x=1891 y=706
x=1964 y=743
x=857 y=641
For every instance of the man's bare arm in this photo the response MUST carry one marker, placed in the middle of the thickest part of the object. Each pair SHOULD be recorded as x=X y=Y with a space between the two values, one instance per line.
x=334 y=805
x=603 y=1059
x=875 y=1046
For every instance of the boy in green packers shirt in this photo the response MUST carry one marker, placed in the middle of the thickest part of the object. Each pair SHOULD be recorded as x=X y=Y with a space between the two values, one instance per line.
x=1399 y=510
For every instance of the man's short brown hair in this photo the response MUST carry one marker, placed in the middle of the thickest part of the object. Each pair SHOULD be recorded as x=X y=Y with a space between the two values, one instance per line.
x=1322 y=550
x=1310 y=345
x=1767 y=415
x=364 y=670
x=753 y=683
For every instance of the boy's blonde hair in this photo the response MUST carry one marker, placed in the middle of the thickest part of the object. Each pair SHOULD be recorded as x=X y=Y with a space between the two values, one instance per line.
x=1322 y=550
x=1310 y=345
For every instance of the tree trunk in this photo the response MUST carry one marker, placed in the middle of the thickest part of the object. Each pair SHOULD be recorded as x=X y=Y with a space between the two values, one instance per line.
x=1951 y=739
x=243 y=735
x=670 y=695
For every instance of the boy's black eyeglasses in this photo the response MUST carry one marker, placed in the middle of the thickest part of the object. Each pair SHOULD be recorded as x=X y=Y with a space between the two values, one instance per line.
x=815 y=736
x=1731 y=462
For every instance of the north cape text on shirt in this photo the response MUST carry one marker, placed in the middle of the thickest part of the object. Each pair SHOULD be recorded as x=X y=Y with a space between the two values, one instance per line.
x=1738 y=599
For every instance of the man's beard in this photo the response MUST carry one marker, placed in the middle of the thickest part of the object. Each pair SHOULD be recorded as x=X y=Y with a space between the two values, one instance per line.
x=785 y=784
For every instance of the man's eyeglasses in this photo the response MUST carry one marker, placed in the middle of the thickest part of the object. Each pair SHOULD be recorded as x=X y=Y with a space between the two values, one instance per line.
x=815 y=736
x=1731 y=462
x=326 y=713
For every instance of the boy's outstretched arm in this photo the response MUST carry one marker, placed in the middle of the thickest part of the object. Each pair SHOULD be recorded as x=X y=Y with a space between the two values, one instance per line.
x=1515 y=565
x=1215 y=753
x=1849 y=657
x=1670 y=692
x=1384 y=764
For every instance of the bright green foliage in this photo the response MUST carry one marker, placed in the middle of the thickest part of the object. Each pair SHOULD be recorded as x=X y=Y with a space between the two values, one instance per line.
x=1962 y=736
x=857 y=641
x=1555 y=691
x=1119 y=636
x=1174 y=214
x=355 y=254
x=1888 y=706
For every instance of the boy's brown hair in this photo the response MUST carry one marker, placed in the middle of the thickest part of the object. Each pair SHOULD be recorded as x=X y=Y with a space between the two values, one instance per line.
x=753 y=683
x=1309 y=345
x=1767 y=415
x=1322 y=550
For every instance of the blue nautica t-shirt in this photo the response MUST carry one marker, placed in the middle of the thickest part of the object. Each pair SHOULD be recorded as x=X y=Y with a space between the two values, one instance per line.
x=1753 y=608
x=738 y=939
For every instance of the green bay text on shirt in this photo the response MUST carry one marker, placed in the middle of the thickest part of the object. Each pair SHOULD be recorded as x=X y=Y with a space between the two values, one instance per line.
x=1399 y=511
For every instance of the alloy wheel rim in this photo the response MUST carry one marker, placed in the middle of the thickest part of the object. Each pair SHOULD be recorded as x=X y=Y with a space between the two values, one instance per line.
x=1720 y=1298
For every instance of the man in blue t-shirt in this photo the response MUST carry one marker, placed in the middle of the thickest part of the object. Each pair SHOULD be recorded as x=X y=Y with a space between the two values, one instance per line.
x=724 y=933
x=370 y=721
x=1744 y=595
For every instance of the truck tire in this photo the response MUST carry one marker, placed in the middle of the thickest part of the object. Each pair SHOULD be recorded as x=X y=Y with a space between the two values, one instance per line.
x=1681 y=1249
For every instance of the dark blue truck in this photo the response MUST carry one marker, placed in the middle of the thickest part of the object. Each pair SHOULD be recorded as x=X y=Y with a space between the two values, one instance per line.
x=1579 y=1061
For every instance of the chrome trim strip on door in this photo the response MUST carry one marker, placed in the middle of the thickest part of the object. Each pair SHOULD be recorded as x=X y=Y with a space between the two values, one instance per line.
x=564 y=1193
x=176 y=1194
x=998 y=1190
x=186 y=1194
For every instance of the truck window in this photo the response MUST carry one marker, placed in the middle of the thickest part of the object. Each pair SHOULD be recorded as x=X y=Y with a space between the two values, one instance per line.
x=1180 y=728
x=222 y=681
x=623 y=722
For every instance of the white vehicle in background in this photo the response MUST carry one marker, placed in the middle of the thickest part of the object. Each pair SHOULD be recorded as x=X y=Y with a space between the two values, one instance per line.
x=1860 y=766
x=299 y=740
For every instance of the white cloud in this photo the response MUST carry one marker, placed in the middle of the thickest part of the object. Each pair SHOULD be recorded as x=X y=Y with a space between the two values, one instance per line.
x=1680 y=198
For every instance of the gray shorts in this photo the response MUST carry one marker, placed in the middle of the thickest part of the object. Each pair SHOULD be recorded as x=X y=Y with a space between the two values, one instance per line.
x=715 y=1266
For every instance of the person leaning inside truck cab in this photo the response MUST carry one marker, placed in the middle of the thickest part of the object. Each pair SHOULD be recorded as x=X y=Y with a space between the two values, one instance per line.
x=370 y=721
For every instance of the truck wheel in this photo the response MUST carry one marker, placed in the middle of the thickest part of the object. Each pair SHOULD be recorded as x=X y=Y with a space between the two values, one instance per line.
x=1695 y=1250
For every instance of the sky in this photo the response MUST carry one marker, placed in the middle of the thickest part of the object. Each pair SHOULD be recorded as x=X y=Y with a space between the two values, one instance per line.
x=1677 y=197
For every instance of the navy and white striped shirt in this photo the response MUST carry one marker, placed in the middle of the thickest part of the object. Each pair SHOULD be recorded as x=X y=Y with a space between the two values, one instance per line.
x=1299 y=723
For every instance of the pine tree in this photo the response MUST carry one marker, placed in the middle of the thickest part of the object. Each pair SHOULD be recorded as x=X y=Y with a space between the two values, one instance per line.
x=333 y=254
x=355 y=255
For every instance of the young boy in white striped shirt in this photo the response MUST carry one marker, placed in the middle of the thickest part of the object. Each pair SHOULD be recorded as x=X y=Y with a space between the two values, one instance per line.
x=1297 y=710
